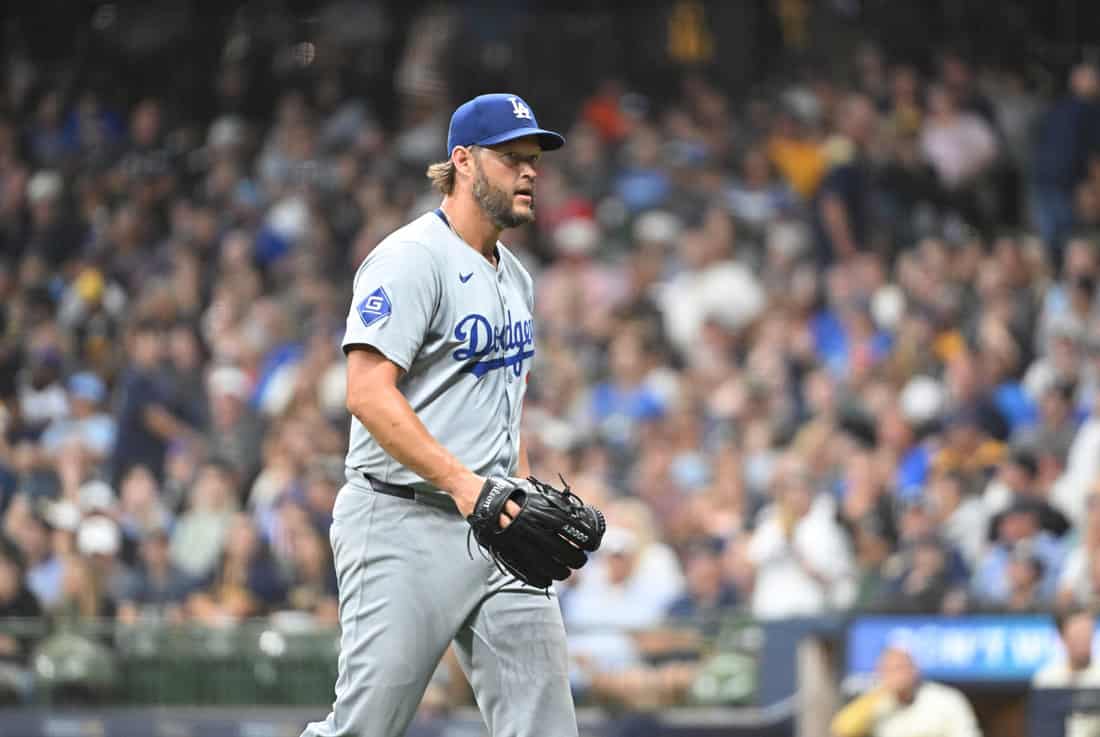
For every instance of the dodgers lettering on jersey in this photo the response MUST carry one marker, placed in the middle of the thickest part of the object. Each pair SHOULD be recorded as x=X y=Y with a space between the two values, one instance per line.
x=482 y=339
x=462 y=331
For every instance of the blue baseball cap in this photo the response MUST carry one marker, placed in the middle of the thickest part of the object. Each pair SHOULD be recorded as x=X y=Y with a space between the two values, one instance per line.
x=86 y=385
x=496 y=118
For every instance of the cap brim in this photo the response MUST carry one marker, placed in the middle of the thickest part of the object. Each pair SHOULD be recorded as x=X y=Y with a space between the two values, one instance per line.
x=548 y=140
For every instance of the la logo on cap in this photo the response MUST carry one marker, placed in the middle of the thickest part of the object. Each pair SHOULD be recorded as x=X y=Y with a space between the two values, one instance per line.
x=519 y=109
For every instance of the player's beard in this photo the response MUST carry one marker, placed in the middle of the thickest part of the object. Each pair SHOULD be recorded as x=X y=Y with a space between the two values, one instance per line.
x=497 y=203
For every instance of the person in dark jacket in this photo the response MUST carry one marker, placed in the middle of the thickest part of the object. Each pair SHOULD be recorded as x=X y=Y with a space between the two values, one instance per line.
x=16 y=602
x=1019 y=473
x=1068 y=134
x=245 y=583
x=842 y=205
x=17 y=606
x=708 y=597
x=160 y=588
x=148 y=420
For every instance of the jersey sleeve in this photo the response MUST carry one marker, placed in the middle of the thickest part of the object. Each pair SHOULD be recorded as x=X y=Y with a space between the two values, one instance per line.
x=396 y=293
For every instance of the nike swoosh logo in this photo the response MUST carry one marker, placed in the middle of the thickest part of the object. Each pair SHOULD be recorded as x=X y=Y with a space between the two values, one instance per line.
x=465 y=277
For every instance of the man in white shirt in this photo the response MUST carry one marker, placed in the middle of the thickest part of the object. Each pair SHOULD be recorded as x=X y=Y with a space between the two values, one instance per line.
x=1082 y=468
x=962 y=517
x=1075 y=669
x=902 y=705
x=800 y=556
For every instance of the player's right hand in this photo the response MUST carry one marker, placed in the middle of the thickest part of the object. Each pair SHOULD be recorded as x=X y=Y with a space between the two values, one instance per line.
x=466 y=492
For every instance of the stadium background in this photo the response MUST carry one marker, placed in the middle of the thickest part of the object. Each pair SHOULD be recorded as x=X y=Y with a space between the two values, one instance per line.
x=186 y=188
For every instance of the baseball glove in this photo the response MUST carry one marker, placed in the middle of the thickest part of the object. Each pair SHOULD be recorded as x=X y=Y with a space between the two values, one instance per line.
x=550 y=535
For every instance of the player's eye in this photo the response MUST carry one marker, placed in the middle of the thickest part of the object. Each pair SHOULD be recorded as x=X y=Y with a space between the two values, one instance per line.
x=514 y=159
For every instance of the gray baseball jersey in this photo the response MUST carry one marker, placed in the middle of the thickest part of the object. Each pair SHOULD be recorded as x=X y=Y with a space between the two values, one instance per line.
x=409 y=584
x=464 y=335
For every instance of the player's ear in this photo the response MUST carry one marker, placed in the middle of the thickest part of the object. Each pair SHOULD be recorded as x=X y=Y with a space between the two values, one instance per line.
x=463 y=159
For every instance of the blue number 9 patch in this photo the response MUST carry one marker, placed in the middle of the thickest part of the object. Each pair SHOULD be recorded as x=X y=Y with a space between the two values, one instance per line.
x=374 y=307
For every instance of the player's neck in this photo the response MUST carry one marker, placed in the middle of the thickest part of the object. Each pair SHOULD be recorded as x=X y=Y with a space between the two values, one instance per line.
x=470 y=224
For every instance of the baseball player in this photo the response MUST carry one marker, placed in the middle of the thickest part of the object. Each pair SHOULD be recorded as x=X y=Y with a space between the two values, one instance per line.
x=437 y=537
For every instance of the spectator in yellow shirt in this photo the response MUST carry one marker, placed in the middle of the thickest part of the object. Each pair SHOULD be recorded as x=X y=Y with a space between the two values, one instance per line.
x=903 y=705
x=797 y=155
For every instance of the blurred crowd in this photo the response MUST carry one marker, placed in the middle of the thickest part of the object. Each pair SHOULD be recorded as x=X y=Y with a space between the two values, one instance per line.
x=834 y=346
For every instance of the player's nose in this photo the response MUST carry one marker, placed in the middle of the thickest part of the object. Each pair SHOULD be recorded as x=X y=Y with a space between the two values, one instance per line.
x=527 y=169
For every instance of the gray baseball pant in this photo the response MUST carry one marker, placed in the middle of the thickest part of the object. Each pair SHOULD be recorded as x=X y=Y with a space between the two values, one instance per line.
x=408 y=588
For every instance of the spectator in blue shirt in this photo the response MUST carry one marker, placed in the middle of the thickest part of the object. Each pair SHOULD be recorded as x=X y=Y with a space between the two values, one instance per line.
x=87 y=423
x=643 y=184
x=1019 y=523
x=624 y=401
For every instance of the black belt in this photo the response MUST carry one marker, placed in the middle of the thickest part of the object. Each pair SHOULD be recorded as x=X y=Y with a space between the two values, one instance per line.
x=401 y=492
